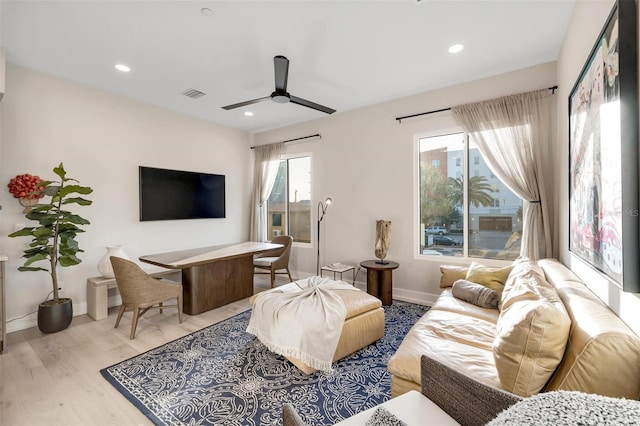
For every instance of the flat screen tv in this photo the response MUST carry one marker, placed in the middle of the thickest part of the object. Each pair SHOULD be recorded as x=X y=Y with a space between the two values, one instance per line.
x=174 y=194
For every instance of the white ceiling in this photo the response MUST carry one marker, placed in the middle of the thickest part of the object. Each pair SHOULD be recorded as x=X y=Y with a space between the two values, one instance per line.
x=343 y=54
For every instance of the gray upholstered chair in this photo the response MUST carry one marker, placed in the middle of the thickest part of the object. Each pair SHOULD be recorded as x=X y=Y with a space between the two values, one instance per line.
x=275 y=261
x=141 y=292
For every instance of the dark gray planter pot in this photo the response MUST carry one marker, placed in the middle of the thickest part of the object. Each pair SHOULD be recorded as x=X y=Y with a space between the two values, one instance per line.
x=54 y=317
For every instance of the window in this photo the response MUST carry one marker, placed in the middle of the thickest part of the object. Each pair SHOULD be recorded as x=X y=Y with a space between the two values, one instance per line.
x=435 y=163
x=474 y=223
x=289 y=205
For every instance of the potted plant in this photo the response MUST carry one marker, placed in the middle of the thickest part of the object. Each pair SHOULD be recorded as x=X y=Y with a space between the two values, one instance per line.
x=53 y=241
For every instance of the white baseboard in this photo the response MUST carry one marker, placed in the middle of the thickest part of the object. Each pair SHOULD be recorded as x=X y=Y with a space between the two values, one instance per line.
x=31 y=320
x=410 y=296
x=416 y=297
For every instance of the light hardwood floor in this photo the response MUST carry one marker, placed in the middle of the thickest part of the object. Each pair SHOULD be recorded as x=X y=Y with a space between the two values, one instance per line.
x=54 y=379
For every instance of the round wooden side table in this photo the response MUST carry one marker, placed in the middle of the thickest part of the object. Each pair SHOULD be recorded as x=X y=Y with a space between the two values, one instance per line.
x=380 y=279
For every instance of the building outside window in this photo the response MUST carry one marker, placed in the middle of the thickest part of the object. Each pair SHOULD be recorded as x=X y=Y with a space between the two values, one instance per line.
x=478 y=221
x=289 y=205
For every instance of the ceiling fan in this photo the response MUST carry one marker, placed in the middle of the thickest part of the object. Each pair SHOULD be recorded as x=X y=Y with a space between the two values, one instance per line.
x=280 y=95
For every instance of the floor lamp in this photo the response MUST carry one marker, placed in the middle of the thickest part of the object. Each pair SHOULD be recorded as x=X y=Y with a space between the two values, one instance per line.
x=322 y=209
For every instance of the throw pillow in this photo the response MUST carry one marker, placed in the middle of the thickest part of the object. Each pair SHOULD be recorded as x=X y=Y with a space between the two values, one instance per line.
x=531 y=333
x=382 y=417
x=523 y=266
x=476 y=294
x=450 y=274
x=494 y=278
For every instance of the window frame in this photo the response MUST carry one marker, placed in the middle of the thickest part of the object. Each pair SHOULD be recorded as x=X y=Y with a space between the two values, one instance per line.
x=293 y=156
x=466 y=170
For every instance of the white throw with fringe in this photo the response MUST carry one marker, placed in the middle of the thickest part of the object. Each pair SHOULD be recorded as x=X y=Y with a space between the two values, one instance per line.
x=303 y=320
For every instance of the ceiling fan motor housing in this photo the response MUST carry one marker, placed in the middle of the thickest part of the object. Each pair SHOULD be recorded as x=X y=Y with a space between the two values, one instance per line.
x=280 y=97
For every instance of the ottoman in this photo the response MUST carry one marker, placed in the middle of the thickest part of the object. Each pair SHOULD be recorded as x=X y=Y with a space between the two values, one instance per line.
x=363 y=324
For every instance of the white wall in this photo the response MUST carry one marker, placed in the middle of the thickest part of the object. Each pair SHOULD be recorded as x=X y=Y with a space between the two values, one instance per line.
x=102 y=139
x=366 y=162
x=586 y=23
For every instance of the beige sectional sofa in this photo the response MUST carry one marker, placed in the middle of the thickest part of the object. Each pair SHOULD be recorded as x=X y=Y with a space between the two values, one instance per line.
x=552 y=333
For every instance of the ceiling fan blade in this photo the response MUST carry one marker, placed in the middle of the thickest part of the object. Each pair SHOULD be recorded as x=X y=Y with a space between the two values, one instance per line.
x=281 y=71
x=310 y=104
x=245 y=103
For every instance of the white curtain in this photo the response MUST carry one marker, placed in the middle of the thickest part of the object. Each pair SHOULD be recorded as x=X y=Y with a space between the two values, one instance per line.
x=267 y=160
x=513 y=135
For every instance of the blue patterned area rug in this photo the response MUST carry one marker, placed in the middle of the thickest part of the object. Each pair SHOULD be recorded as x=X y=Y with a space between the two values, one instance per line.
x=221 y=375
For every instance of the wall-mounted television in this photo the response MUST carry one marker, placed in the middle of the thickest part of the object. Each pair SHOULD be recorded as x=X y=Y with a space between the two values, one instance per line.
x=175 y=194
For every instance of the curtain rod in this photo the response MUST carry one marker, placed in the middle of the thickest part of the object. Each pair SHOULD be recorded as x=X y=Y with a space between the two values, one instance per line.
x=317 y=135
x=399 y=119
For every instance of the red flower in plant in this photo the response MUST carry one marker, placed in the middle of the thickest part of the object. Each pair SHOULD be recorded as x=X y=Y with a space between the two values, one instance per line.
x=22 y=186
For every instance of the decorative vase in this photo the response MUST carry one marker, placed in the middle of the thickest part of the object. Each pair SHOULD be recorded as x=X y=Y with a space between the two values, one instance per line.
x=27 y=203
x=383 y=235
x=54 y=317
x=104 y=265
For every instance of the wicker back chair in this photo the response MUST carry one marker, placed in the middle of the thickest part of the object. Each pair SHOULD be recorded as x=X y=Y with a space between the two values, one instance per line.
x=141 y=292
x=275 y=260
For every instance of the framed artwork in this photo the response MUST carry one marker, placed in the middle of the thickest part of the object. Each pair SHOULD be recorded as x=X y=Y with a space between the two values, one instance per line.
x=603 y=153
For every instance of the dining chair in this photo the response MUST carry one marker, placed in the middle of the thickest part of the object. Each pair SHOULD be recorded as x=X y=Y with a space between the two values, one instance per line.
x=276 y=261
x=141 y=292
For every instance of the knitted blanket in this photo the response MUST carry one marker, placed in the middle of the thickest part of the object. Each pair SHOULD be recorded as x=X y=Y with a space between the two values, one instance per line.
x=304 y=320
x=570 y=408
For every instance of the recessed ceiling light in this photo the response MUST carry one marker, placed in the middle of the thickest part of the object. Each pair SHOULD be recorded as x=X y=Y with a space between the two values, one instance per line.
x=248 y=113
x=123 y=68
x=206 y=11
x=456 y=48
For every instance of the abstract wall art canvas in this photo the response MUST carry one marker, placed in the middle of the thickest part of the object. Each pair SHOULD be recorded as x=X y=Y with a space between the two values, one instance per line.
x=603 y=153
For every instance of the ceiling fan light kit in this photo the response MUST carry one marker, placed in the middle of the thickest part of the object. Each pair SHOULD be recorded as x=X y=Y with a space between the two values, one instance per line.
x=280 y=95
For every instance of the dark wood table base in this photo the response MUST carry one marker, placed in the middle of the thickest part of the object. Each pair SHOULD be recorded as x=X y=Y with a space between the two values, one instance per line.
x=216 y=284
x=380 y=279
x=213 y=276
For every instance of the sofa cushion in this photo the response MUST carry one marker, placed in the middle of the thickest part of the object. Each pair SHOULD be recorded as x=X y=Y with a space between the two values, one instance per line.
x=448 y=302
x=455 y=333
x=532 y=331
x=476 y=294
x=494 y=278
x=451 y=273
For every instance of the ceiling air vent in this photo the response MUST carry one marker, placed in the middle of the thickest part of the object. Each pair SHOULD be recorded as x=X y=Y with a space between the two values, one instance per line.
x=193 y=93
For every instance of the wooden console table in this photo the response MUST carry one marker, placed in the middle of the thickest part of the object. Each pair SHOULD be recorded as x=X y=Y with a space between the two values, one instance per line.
x=213 y=276
x=380 y=279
